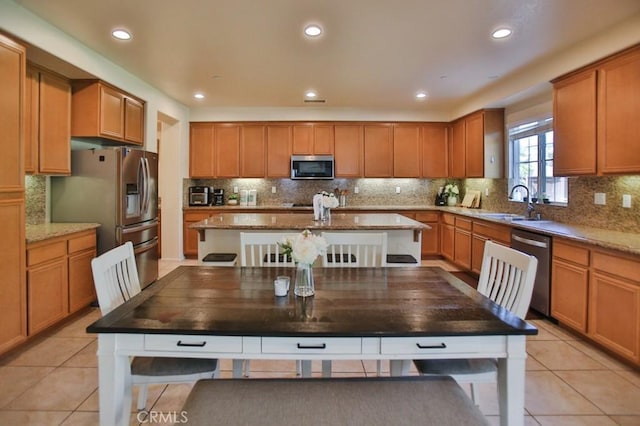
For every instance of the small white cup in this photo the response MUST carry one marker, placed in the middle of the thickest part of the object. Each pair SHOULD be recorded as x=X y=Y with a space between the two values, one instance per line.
x=281 y=285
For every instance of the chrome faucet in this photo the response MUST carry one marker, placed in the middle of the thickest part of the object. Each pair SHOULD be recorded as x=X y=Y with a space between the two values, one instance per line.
x=530 y=207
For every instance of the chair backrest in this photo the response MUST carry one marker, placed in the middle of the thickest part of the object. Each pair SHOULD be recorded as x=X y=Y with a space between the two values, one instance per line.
x=507 y=277
x=115 y=276
x=262 y=249
x=355 y=249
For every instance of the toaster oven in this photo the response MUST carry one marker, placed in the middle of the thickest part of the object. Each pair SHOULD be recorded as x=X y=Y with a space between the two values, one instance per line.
x=199 y=195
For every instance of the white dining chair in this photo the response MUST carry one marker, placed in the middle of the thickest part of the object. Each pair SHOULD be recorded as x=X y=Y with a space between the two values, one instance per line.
x=506 y=277
x=262 y=249
x=353 y=250
x=115 y=276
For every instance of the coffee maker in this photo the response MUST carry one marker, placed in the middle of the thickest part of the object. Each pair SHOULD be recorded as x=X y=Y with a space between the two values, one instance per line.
x=218 y=197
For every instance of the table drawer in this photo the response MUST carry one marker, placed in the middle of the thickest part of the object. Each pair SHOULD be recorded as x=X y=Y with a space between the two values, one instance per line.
x=311 y=345
x=444 y=345
x=176 y=343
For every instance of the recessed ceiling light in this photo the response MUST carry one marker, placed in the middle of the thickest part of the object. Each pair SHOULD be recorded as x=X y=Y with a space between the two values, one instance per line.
x=313 y=30
x=421 y=95
x=199 y=95
x=310 y=94
x=121 y=34
x=501 y=33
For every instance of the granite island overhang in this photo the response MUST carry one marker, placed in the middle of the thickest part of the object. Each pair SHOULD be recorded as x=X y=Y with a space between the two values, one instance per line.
x=220 y=233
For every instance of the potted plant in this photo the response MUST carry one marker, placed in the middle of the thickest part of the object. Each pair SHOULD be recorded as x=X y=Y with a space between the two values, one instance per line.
x=451 y=191
x=545 y=198
x=233 y=200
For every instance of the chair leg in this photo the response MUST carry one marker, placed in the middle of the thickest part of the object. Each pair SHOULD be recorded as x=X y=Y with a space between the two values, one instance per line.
x=326 y=368
x=142 y=397
x=298 y=367
x=475 y=395
x=379 y=367
x=247 y=367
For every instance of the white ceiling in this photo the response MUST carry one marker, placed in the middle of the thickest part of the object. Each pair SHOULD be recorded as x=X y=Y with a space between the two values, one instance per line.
x=373 y=54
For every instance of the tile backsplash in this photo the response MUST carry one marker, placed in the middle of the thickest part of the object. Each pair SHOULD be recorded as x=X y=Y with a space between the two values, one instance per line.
x=35 y=199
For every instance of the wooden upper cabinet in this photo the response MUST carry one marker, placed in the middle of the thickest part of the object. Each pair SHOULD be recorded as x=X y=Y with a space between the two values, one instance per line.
x=201 y=150
x=101 y=110
x=435 y=150
x=48 y=123
x=619 y=114
x=474 y=145
x=227 y=150
x=313 y=139
x=348 y=150
x=407 y=150
x=252 y=151
x=574 y=125
x=457 y=149
x=595 y=112
x=279 y=148
x=378 y=150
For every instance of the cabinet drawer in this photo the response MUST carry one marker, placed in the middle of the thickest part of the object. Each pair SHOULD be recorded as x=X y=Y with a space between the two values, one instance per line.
x=83 y=242
x=194 y=343
x=462 y=223
x=311 y=345
x=493 y=345
x=615 y=265
x=427 y=216
x=493 y=232
x=571 y=252
x=47 y=252
x=448 y=219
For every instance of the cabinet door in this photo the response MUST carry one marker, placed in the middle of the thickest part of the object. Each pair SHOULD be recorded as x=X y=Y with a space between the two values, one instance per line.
x=569 y=293
x=252 y=151
x=32 y=93
x=614 y=315
x=190 y=236
x=435 y=151
x=430 y=240
x=474 y=145
x=457 y=150
x=378 y=151
x=81 y=288
x=574 y=125
x=201 y=152
x=462 y=248
x=279 y=146
x=406 y=151
x=323 y=139
x=111 y=113
x=54 y=150
x=348 y=150
x=48 y=298
x=133 y=121
x=447 y=241
x=227 y=150
x=303 y=139
x=618 y=112
x=477 y=252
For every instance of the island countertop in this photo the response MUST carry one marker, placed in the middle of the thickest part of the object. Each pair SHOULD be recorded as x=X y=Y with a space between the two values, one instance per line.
x=338 y=221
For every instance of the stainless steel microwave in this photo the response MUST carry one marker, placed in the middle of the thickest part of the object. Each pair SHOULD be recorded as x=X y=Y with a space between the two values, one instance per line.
x=312 y=167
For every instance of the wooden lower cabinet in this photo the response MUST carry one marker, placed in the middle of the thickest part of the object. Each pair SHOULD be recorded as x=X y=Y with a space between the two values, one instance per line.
x=430 y=237
x=447 y=235
x=190 y=236
x=570 y=284
x=462 y=242
x=59 y=278
x=483 y=231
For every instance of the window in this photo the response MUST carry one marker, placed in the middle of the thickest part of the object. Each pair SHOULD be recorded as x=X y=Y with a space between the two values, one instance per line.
x=531 y=161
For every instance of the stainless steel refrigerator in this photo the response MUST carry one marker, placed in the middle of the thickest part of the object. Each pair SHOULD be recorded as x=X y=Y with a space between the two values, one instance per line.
x=118 y=188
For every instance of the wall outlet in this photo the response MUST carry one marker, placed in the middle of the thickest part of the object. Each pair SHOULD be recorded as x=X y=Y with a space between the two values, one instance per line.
x=273 y=189
x=626 y=201
x=600 y=198
x=397 y=189
x=356 y=190
x=486 y=192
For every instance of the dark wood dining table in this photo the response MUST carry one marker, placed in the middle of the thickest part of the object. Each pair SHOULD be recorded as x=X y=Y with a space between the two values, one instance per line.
x=396 y=314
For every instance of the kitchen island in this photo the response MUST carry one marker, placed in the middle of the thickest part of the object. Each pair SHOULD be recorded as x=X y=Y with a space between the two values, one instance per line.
x=220 y=233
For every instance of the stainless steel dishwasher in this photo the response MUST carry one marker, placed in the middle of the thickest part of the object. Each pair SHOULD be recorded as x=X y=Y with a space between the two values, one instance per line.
x=539 y=246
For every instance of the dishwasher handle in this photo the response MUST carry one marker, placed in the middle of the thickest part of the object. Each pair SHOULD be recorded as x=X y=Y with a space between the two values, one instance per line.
x=529 y=241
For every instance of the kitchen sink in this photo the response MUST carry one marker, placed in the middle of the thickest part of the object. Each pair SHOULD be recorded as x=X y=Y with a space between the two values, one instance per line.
x=502 y=216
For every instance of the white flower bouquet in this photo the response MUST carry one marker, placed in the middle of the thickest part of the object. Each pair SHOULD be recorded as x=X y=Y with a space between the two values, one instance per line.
x=451 y=190
x=304 y=247
x=329 y=201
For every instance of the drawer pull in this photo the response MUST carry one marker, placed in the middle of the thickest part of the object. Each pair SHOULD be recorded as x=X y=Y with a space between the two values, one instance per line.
x=440 y=346
x=194 y=345
x=320 y=346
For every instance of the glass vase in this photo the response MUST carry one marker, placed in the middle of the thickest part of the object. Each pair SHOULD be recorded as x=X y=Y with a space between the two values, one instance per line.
x=304 y=286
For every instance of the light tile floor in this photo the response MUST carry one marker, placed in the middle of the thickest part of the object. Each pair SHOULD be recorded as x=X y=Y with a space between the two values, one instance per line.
x=53 y=379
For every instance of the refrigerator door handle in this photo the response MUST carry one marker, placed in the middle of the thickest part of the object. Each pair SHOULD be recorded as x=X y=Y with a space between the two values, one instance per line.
x=145 y=246
x=141 y=183
x=138 y=228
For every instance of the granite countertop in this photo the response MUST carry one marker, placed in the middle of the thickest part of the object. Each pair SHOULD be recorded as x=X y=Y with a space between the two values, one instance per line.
x=338 y=221
x=615 y=240
x=45 y=231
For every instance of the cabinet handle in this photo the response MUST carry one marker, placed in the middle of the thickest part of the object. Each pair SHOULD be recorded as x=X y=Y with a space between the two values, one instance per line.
x=320 y=346
x=440 y=346
x=195 y=345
